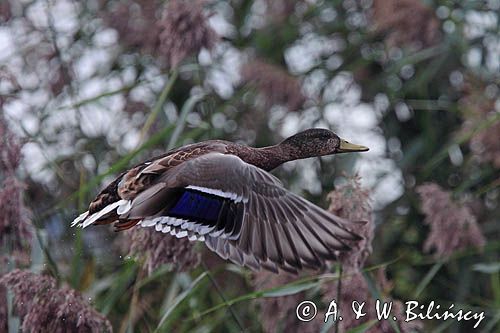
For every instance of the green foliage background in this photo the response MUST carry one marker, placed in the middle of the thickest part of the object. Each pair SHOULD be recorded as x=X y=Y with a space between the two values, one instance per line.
x=178 y=106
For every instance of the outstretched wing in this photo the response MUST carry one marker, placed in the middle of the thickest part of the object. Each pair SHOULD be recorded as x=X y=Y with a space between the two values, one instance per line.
x=241 y=212
x=272 y=227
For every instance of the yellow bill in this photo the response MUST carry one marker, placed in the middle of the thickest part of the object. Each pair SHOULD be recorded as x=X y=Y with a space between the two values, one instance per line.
x=346 y=147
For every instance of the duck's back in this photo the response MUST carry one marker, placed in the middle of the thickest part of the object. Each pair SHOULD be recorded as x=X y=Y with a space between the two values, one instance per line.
x=131 y=182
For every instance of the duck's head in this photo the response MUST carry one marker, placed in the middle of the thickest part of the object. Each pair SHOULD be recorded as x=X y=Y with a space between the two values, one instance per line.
x=319 y=142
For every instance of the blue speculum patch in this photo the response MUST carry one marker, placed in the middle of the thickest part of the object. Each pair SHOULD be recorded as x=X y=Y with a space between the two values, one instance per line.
x=197 y=206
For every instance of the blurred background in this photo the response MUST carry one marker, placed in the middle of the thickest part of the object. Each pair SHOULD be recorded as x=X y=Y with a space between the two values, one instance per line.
x=89 y=88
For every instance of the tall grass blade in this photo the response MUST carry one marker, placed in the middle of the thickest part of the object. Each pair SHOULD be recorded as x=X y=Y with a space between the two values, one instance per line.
x=178 y=300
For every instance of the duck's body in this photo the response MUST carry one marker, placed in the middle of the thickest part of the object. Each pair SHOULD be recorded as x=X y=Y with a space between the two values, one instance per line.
x=221 y=193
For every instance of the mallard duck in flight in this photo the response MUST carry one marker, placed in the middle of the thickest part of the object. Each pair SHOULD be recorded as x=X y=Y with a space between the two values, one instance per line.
x=222 y=193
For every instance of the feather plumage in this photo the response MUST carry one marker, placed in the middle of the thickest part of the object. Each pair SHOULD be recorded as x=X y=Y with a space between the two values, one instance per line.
x=221 y=193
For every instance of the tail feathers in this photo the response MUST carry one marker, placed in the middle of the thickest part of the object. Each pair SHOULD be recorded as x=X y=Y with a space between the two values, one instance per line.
x=84 y=220
x=79 y=219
